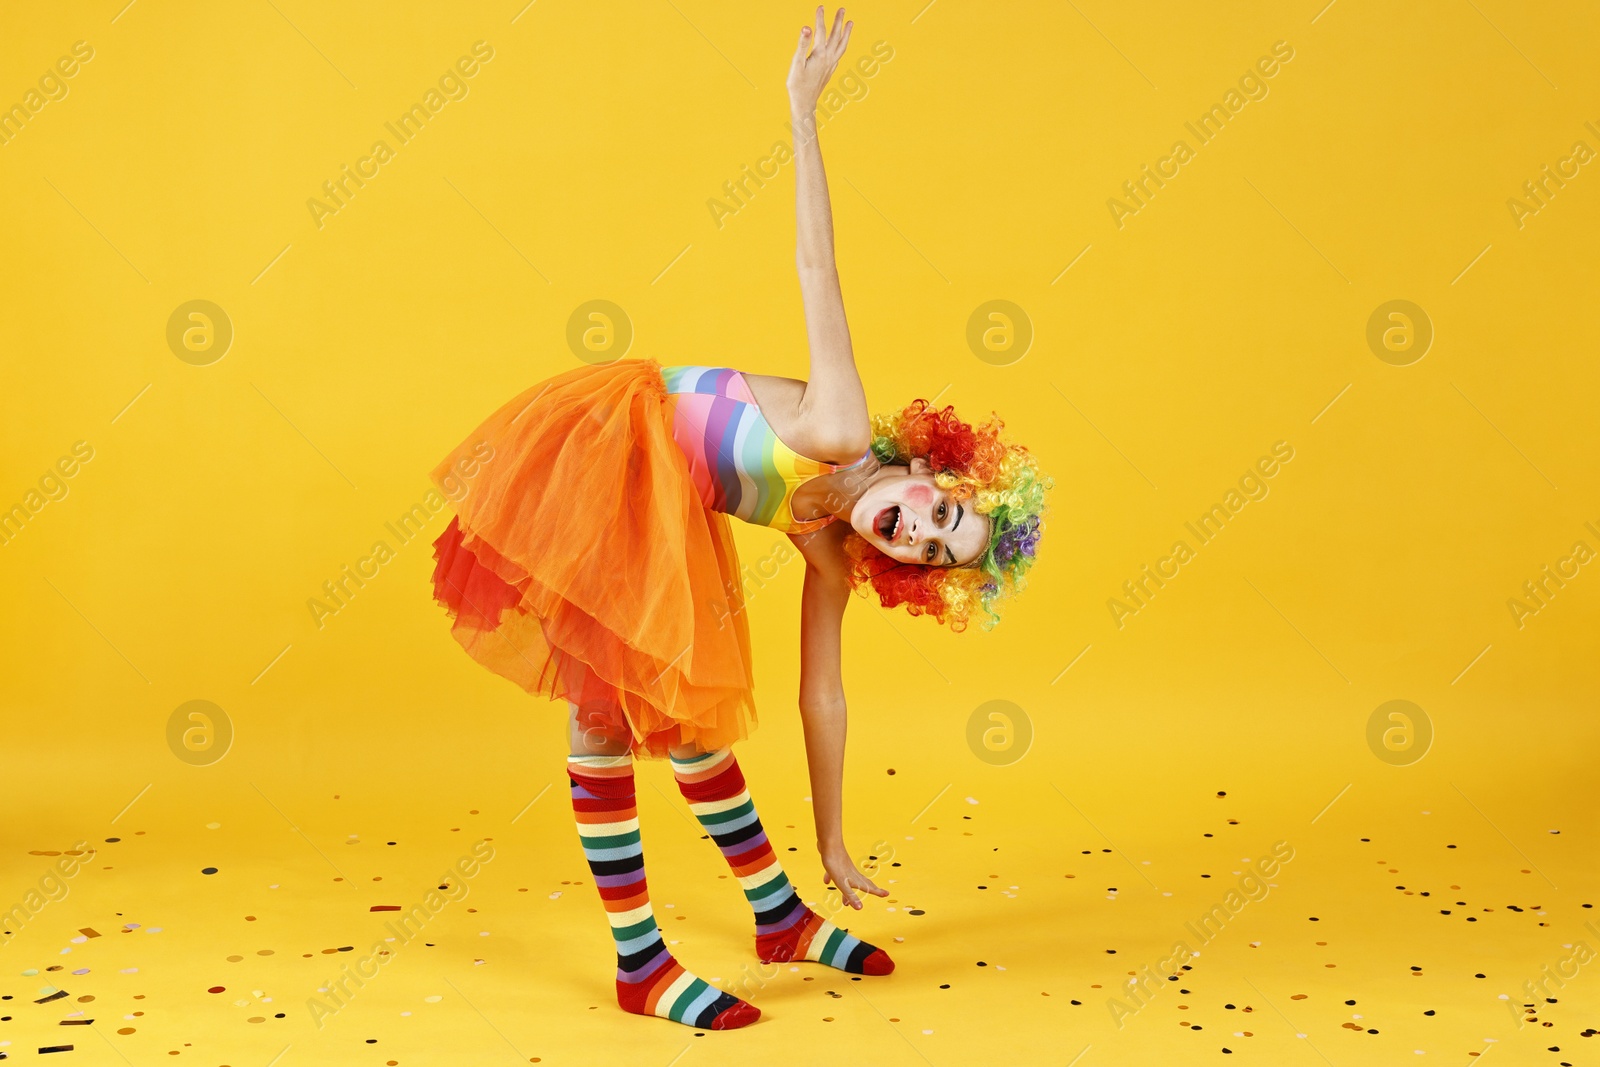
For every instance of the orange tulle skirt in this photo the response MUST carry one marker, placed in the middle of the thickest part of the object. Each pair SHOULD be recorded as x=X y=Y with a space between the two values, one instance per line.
x=582 y=565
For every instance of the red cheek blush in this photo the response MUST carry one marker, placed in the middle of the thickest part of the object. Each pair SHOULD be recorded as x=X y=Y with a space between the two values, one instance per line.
x=918 y=495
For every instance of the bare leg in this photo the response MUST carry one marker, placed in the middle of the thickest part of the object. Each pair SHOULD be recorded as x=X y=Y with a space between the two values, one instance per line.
x=596 y=730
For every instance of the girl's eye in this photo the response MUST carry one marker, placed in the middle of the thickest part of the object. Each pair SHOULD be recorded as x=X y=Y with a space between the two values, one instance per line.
x=944 y=509
x=932 y=553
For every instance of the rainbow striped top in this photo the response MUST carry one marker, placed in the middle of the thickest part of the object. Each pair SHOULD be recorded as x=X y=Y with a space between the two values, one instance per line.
x=737 y=463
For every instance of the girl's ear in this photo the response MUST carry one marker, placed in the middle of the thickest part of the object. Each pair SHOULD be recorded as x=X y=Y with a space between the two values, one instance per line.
x=919 y=465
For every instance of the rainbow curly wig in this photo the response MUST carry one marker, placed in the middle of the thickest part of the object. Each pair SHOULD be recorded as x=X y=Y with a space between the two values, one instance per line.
x=1001 y=480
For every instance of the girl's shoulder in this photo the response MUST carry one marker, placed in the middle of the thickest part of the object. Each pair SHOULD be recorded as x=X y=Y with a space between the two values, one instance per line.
x=823 y=550
x=820 y=435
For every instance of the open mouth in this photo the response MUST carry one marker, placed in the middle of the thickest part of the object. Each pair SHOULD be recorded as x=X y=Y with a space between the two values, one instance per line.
x=888 y=523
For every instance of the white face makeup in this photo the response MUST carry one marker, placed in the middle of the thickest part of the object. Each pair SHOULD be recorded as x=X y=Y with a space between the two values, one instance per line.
x=907 y=516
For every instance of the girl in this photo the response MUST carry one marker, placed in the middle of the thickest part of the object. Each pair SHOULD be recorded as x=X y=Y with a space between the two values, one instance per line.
x=591 y=559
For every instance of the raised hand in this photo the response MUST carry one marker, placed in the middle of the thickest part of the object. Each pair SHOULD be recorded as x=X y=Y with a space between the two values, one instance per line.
x=809 y=73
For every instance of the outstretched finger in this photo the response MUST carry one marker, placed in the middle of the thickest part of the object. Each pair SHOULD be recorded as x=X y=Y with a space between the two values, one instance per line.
x=822 y=25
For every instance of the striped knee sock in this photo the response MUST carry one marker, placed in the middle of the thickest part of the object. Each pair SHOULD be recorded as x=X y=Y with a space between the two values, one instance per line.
x=649 y=980
x=785 y=928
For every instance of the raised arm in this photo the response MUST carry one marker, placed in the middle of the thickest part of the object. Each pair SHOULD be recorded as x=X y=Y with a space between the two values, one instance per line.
x=834 y=406
x=822 y=711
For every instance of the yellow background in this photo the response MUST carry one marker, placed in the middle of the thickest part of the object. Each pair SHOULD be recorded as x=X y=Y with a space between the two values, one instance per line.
x=1224 y=316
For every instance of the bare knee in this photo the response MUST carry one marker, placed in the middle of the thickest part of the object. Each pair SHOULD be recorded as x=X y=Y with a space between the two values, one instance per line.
x=596 y=731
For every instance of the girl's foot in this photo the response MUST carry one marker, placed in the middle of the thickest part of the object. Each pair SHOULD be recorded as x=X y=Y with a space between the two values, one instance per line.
x=668 y=991
x=811 y=937
x=649 y=980
x=786 y=930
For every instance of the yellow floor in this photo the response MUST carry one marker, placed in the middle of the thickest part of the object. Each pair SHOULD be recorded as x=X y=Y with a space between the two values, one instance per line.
x=1023 y=902
x=196 y=488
